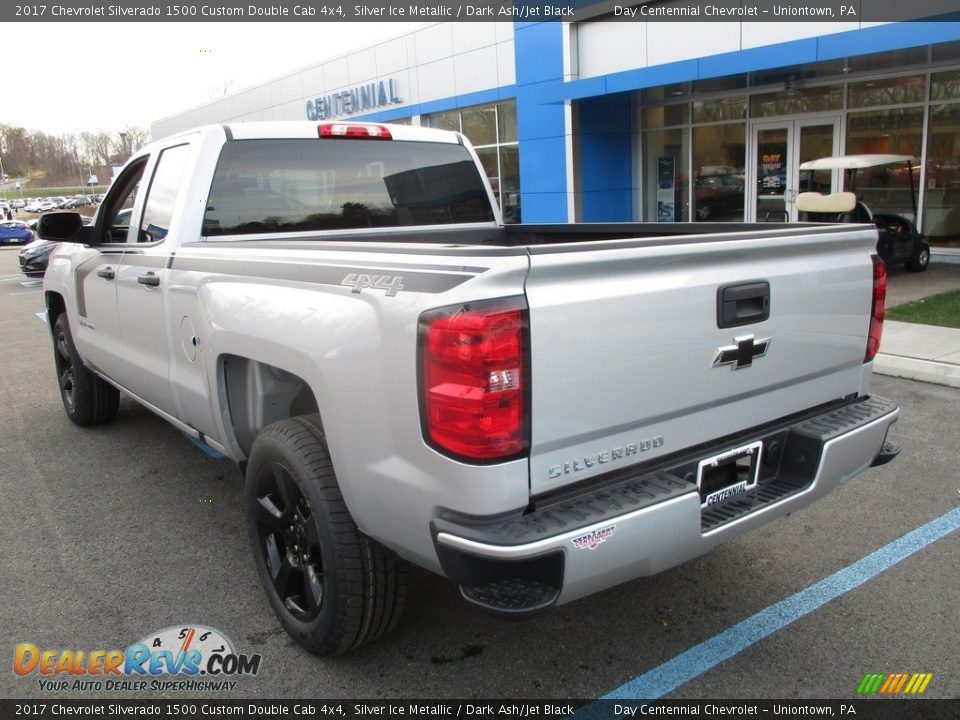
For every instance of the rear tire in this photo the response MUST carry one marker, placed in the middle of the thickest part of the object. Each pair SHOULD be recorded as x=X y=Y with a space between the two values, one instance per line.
x=87 y=398
x=920 y=259
x=333 y=588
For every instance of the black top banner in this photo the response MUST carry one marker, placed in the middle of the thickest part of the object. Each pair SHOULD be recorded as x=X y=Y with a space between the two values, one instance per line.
x=468 y=10
x=330 y=709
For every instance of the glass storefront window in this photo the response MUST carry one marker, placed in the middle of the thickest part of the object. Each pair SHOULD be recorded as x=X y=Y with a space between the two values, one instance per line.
x=719 y=159
x=898 y=131
x=794 y=73
x=887 y=91
x=510 y=183
x=791 y=102
x=888 y=60
x=507 y=122
x=666 y=175
x=488 y=158
x=727 y=83
x=945 y=85
x=665 y=93
x=880 y=114
x=443 y=121
x=946 y=52
x=492 y=129
x=941 y=218
x=666 y=115
x=732 y=108
x=480 y=125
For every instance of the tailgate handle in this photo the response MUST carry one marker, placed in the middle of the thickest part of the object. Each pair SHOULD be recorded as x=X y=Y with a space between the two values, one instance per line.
x=743 y=304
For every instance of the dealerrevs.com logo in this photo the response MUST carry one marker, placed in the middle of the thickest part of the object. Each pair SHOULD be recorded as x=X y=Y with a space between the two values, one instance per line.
x=178 y=658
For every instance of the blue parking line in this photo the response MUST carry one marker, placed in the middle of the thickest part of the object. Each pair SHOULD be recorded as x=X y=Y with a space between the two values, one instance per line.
x=699 y=659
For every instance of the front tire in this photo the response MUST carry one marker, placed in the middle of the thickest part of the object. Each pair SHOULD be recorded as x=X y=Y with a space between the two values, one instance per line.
x=87 y=398
x=333 y=588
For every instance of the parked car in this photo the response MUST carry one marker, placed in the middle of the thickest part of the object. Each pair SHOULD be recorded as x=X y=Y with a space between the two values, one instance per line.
x=18 y=204
x=48 y=205
x=14 y=232
x=718 y=195
x=34 y=257
x=76 y=201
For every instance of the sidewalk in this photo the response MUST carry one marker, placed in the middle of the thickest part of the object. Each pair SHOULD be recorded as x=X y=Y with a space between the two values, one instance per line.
x=919 y=352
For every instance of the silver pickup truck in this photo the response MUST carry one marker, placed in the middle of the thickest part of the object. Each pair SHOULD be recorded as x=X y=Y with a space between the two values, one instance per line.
x=535 y=412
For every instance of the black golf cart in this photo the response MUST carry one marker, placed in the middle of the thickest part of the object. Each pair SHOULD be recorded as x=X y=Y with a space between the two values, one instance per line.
x=879 y=189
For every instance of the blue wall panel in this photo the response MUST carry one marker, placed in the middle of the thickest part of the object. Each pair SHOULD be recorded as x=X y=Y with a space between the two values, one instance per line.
x=606 y=176
x=541 y=127
x=886 y=37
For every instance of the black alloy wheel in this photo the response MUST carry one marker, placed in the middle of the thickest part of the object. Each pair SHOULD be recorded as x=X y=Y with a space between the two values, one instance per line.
x=65 y=371
x=87 y=398
x=290 y=542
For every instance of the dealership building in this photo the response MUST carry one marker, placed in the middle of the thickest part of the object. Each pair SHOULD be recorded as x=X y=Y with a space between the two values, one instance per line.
x=609 y=119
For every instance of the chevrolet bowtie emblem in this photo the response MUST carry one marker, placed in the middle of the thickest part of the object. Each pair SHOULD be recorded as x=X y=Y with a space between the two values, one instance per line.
x=742 y=353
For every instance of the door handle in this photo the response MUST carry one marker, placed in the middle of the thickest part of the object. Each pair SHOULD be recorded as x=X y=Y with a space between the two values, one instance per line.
x=107 y=273
x=743 y=304
x=150 y=279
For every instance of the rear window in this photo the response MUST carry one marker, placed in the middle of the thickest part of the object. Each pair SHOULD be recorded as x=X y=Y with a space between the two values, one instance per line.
x=294 y=185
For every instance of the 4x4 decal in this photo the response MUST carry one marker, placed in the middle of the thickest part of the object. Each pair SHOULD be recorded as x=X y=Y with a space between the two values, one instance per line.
x=358 y=281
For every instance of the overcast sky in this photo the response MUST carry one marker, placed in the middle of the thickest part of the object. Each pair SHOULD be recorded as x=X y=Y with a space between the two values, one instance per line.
x=105 y=76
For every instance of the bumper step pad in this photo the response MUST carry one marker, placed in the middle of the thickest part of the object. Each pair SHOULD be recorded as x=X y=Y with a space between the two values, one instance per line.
x=513 y=596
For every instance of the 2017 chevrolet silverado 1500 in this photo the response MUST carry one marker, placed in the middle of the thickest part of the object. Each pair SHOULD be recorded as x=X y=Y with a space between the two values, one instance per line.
x=535 y=412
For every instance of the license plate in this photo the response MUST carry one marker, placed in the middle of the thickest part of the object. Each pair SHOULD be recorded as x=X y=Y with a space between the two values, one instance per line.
x=728 y=474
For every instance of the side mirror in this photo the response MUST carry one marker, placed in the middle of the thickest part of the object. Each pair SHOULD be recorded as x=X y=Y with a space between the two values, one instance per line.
x=63 y=227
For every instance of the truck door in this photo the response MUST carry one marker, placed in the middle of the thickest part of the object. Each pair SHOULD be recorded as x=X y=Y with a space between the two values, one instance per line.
x=97 y=330
x=141 y=294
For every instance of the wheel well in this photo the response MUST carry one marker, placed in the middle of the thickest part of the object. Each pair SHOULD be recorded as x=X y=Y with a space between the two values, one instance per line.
x=55 y=306
x=258 y=394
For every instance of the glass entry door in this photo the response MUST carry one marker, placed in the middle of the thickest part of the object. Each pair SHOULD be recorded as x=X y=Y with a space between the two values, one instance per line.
x=777 y=149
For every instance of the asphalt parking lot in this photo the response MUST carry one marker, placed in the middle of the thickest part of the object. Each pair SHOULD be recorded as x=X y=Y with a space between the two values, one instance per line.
x=112 y=533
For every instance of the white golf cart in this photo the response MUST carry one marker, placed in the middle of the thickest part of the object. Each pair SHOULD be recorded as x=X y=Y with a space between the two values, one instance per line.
x=879 y=189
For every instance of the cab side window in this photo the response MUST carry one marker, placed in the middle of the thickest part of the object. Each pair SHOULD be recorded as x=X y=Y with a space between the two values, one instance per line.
x=114 y=215
x=162 y=196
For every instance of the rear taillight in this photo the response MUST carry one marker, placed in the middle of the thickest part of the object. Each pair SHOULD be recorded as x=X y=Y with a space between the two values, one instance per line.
x=474 y=377
x=345 y=130
x=877 y=308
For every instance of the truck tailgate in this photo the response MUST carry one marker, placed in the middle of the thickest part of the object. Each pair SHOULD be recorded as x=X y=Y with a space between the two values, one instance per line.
x=633 y=357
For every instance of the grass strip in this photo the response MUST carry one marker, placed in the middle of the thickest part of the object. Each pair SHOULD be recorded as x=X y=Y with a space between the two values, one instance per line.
x=942 y=310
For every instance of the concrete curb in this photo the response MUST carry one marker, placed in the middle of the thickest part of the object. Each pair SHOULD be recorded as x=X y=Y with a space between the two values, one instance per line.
x=910 y=368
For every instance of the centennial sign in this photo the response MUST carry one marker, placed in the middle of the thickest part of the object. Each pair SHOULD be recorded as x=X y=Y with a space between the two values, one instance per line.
x=347 y=102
